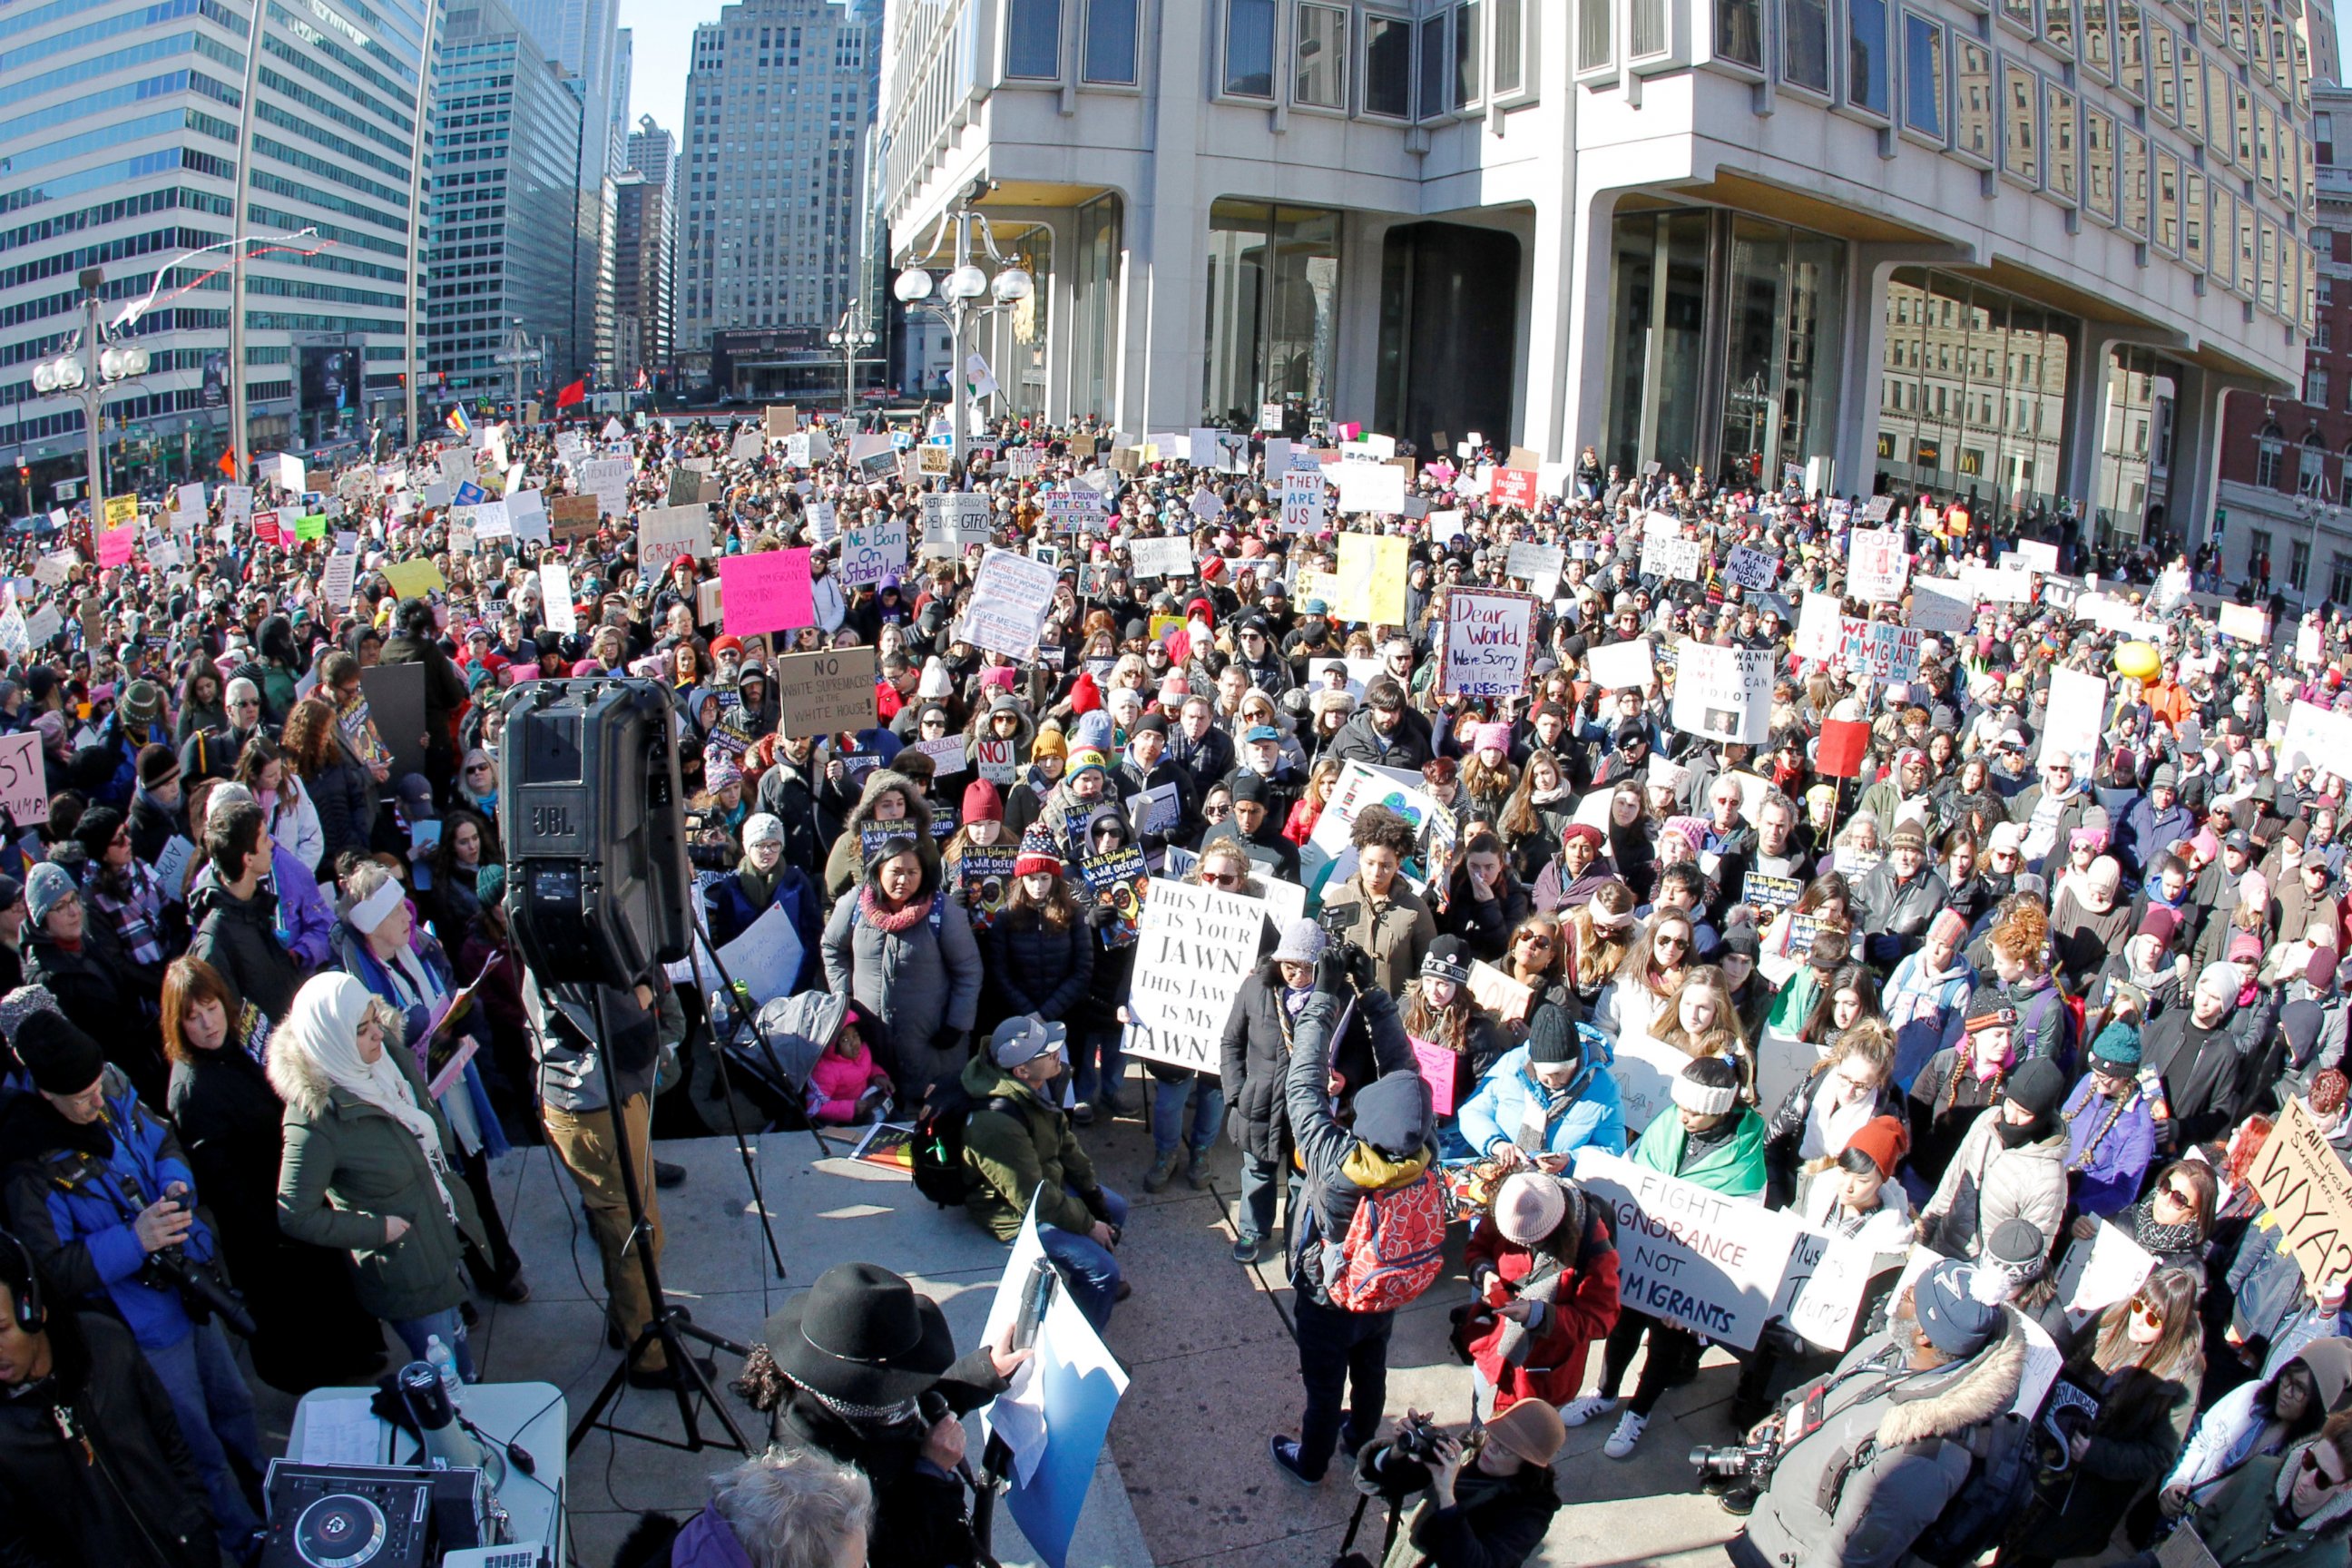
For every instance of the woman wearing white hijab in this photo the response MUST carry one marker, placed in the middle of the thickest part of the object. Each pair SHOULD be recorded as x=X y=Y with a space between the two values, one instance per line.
x=367 y=1167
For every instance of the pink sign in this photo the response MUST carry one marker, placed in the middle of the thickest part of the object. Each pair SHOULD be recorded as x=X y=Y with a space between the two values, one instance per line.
x=1441 y=1069
x=114 y=545
x=767 y=592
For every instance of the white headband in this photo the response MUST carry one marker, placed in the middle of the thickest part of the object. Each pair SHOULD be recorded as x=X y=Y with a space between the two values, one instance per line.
x=1700 y=1100
x=1608 y=922
x=376 y=907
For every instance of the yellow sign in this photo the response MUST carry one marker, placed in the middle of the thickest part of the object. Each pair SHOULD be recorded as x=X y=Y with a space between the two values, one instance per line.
x=413 y=579
x=121 y=509
x=1370 y=584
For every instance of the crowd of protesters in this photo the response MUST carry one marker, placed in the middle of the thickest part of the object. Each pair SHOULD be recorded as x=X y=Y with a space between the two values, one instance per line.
x=1925 y=976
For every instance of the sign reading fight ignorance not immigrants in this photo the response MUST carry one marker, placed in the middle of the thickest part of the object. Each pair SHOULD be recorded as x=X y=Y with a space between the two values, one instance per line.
x=1695 y=1259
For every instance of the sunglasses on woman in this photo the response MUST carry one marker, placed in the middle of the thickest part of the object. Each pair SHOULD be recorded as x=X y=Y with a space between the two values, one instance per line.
x=1534 y=939
x=1677 y=944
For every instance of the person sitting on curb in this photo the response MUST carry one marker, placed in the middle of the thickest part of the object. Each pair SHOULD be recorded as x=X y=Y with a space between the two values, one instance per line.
x=1019 y=1143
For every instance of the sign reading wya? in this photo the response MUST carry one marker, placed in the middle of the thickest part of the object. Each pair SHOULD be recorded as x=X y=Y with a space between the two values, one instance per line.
x=1194 y=948
x=2304 y=1186
x=1489 y=637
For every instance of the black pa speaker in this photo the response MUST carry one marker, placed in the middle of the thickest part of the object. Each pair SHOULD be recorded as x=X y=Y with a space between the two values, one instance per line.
x=594 y=829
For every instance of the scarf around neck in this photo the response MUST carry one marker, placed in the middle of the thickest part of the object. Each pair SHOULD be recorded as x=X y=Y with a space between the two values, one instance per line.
x=896 y=921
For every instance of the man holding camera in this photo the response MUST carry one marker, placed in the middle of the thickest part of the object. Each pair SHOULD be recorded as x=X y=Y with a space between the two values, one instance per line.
x=1489 y=1497
x=100 y=1192
x=1866 y=1461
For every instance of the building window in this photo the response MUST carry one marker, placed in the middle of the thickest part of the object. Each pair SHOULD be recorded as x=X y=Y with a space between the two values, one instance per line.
x=2020 y=147
x=1923 y=76
x=1511 y=46
x=1467 y=58
x=1272 y=301
x=1867 y=86
x=1972 y=117
x=2298 y=564
x=1805 y=44
x=1033 y=40
x=1595 y=43
x=2310 y=463
x=2270 y=453
x=1321 y=81
x=2339 y=579
x=1433 y=98
x=2319 y=333
x=2060 y=105
x=1739 y=32
x=1249 y=49
x=2258 y=555
x=1388 y=66
x=1111 y=42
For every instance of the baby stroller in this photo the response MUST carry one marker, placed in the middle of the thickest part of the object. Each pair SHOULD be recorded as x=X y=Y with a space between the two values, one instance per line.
x=771 y=1054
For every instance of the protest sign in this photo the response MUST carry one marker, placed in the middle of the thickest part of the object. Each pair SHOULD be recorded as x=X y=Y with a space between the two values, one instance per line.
x=986 y=873
x=2037 y=555
x=1646 y=1068
x=1943 y=605
x=823 y=693
x=668 y=532
x=575 y=517
x=608 y=479
x=2246 y=623
x=1370 y=580
x=1370 y=487
x=1875 y=565
x=1513 y=487
x=2071 y=722
x=709 y=602
x=1488 y=641
x=1821 y=1291
x=1880 y=651
x=947 y=755
x=1302 y=502
x=1821 y=628
x=1751 y=568
x=1010 y=596
x=994 y=759
x=2307 y=1192
x=1695 y=1259
x=1328 y=852
x=2317 y=736
x=1722 y=694
x=1169 y=557
x=1539 y=565
x=24 y=785
x=872 y=553
x=1614 y=667
x=765 y=592
x=1665 y=555
x=1117 y=880
x=2095 y=1274
x=413 y=579
x=1194 y=948
x=556 y=595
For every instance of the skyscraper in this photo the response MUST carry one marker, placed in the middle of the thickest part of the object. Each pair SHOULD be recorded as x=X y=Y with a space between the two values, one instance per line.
x=125 y=131
x=777 y=101
x=583 y=36
x=645 y=253
x=506 y=133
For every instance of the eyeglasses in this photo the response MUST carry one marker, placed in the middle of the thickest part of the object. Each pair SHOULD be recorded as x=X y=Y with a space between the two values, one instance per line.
x=2141 y=1307
x=1220 y=878
x=480 y=768
x=1677 y=944
x=247 y=702
x=2177 y=1194
x=1534 y=939
x=2311 y=1467
x=1215 y=811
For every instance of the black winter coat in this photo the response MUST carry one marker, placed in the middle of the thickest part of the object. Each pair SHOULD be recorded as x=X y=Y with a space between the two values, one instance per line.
x=1029 y=967
x=239 y=938
x=1255 y=1056
x=142 y=1504
x=1496 y=1521
x=339 y=793
x=96 y=993
x=1784 y=1131
x=314 y=1330
x=151 y=828
x=784 y=795
x=920 y=1518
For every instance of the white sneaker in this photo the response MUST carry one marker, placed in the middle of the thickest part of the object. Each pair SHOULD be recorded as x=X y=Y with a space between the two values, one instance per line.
x=1577 y=1412
x=1629 y=1428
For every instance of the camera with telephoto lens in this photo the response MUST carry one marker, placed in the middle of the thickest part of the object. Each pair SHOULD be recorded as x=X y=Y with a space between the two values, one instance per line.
x=201 y=1291
x=1735 y=1464
x=1416 y=1438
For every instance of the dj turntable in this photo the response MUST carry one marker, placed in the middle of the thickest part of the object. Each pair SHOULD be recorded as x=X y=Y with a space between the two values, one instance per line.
x=363 y=1516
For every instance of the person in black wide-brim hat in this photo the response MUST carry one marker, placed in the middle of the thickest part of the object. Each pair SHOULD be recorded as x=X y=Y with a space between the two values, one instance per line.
x=865 y=1369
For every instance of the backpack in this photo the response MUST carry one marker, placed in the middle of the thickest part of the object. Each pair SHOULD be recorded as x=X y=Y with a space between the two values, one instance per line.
x=936 y=1151
x=2001 y=1469
x=1392 y=1251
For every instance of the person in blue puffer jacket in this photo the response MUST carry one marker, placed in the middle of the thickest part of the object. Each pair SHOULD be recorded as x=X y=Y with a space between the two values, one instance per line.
x=762 y=880
x=1553 y=1095
x=97 y=1187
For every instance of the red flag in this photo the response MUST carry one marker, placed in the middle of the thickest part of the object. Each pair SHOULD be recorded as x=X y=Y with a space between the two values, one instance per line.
x=577 y=393
x=228 y=465
x=1843 y=741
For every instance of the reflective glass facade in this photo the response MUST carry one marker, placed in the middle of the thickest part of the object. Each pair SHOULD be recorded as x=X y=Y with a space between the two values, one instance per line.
x=1972 y=390
x=1274 y=299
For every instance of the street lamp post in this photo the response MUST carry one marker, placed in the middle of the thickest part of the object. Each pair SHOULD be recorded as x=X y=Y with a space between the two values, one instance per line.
x=516 y=351
x=91 y=365
x=959 y=291
x=849 y=336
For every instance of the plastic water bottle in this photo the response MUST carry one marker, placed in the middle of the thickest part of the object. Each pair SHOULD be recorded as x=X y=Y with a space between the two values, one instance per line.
x=446 y=1363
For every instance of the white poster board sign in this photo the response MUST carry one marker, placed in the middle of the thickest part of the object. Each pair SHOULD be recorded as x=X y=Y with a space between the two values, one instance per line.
x=1695 y=1259
x=1194 y=946
x=1722 y=694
